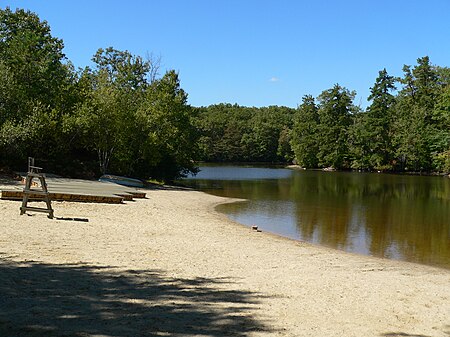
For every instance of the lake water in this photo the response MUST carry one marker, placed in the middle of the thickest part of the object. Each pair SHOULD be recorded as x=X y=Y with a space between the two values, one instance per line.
x=392 y=216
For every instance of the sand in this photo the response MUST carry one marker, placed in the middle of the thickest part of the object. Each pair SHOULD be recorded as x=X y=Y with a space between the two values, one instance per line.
x=170 y=265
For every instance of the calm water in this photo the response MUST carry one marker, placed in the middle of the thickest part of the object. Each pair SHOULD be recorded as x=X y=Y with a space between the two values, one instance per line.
x=391 y=216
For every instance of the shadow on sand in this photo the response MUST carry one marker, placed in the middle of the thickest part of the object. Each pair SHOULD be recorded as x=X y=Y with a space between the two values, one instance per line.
x=77 y=300
x=402 y=334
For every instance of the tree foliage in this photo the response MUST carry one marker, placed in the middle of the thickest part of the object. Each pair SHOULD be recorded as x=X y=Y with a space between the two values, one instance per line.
x=122 y=117
x=119 y=115
x=406 y=130
x=413 y=124
x=305 y=141
x=335 y=117
x=34 y=80
x=232 y=133
x=372 y=131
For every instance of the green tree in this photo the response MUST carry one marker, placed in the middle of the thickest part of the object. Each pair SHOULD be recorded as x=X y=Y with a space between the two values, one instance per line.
x=285 y=151
x=440 y=135
x=128 y=78
x=359 y=143
x=170 y=146
x=425 y=81
x=98 y=119
x=111 y=95
x=35 y=88
x=413 y=116
x=261 y=142
x=305 y=141
x=377 y=123
x=221 y=128
x=33 y=55
x=124 y=69
x=244 y=134
x=335 y=117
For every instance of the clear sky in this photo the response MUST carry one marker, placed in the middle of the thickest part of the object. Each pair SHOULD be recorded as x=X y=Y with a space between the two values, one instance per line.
x=257 y=52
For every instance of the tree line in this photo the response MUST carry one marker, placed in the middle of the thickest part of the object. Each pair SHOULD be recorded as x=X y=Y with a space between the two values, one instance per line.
x=121 y=116
x=406 y=127
x=232 y=133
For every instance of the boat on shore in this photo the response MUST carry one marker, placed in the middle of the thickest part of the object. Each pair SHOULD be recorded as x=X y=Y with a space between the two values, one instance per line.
x=125 y=181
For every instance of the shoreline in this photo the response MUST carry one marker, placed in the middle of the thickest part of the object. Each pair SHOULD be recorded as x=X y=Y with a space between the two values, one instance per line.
x=332 y=249
x=407 y=173
x=320 y=246
x=186 y=269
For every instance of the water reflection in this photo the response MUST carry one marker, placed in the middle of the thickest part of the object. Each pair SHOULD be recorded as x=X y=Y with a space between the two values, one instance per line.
x=391 y=216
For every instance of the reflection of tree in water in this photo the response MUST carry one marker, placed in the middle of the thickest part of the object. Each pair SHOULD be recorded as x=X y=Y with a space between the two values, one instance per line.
x=403 y=216
x=422 y=231
x=53 y=300
x=323 y=210
x=394 y=216
x=328 y=225
x=379 y=237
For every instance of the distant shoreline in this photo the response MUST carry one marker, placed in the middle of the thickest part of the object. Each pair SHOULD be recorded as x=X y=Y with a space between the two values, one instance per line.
x=329 y=169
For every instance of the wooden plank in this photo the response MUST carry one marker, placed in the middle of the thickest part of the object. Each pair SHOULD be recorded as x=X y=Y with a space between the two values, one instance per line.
x=18 y=195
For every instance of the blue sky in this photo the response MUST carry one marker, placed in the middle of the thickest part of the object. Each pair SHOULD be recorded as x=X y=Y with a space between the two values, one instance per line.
x=257 y=52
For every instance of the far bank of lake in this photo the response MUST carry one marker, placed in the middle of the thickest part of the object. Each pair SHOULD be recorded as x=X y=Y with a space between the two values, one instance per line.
x=392 y=216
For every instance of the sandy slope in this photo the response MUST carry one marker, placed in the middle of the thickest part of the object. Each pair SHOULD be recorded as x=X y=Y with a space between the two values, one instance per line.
x=170 y=265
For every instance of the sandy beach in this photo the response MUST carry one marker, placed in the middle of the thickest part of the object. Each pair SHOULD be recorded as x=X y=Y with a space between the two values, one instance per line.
x=170 y=265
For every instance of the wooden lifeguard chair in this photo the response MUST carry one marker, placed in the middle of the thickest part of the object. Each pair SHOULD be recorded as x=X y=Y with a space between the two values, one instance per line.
x=35 y=172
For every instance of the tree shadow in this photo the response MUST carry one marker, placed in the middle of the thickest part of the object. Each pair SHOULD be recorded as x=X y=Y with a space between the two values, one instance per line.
x=77 y=300
x=402 y=334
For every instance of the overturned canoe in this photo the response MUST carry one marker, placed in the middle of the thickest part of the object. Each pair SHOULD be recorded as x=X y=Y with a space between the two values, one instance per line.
x=125 y=181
